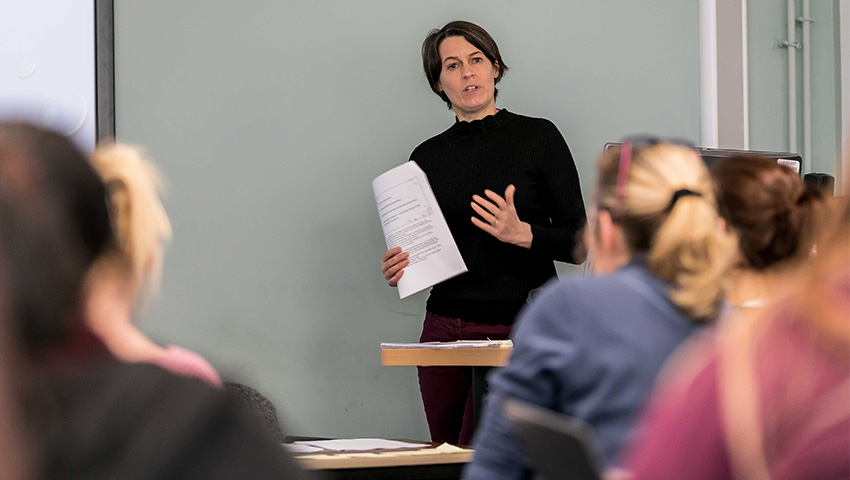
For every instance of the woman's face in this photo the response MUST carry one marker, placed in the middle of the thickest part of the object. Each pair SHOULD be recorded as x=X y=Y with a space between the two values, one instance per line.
x=468 y=78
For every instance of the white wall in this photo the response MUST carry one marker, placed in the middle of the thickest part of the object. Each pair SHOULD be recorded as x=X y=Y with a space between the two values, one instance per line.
x=47 y=65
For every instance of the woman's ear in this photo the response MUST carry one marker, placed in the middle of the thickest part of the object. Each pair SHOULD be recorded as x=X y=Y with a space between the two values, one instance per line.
x=607 y=232
x=611 y=252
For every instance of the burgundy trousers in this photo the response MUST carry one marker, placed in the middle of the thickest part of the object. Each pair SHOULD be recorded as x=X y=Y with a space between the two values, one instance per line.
x=447 y=391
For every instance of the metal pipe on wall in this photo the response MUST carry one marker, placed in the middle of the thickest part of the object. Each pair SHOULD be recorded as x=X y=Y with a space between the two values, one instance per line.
x=806 y=20
x=842 y=162
x=792 y=45
x=709 y=128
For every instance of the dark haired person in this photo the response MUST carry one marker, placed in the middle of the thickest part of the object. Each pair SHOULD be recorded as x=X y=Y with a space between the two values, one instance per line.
x=509 y=190
x=772 y=214
x=768 y=397
x=87 y=414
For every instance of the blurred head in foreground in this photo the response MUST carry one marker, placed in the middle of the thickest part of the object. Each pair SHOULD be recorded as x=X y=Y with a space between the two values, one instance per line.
x=57 y=203
x=44 y=181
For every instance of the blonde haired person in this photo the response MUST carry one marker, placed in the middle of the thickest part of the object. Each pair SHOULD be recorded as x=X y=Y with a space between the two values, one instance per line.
x=769 y=396
x=591 y=347
x=128 y=273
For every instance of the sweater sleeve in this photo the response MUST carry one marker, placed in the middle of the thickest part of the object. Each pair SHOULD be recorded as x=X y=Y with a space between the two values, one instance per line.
x=531 y=376
x=187 y=363
x=561 y=239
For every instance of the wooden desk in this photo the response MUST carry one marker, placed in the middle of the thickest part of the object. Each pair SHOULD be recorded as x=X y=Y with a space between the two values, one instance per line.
x=480 y=359
x=411 y=465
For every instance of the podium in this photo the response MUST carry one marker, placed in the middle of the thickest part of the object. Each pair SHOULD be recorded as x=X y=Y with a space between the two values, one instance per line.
x=481 y=359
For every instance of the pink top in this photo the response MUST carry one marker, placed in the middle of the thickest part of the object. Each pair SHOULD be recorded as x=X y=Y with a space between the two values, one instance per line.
x=805 y=408
x=188 y=364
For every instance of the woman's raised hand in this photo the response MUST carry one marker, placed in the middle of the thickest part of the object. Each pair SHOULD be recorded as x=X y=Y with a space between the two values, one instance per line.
x=500 y=218
x=392 y=265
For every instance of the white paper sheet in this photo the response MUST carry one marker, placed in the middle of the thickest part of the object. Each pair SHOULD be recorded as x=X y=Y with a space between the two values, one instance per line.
x=411 y=219
x=300 y=448
x=358 y=444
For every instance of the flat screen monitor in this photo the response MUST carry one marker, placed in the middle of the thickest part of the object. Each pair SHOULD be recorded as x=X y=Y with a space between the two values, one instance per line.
x=713 y=155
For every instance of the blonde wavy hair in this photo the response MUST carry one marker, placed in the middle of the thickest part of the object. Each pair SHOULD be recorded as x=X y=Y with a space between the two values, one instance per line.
x=682 y=235
x=139 y=220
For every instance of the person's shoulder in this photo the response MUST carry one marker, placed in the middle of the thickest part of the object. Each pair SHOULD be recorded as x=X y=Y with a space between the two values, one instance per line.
x=429 y=143
x=536 y=122
x=422 y=152
x=573 y=296
x=585 y=284
x=534 y=129
x=567 y=309
x=146 y=415
x=581 y=295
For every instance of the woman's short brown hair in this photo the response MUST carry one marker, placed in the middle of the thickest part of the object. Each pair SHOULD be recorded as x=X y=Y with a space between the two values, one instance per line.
x=473 y=34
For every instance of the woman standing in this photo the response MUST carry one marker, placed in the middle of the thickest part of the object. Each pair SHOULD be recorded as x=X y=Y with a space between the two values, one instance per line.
x=509 y=190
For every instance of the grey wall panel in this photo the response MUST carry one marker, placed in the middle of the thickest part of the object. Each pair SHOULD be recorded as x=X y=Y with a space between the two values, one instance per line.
x=270 y=120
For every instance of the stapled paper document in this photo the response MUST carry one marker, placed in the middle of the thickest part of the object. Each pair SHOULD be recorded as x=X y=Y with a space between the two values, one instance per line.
x=411 y=219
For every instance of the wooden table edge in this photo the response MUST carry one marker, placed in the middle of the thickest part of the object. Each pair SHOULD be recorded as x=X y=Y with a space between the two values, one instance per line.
x=465 y=357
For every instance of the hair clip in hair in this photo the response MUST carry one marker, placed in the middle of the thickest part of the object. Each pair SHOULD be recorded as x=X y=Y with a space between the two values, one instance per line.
x=683 y=192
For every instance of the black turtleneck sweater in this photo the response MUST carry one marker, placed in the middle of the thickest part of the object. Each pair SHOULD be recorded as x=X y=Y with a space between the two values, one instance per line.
x=492 y=153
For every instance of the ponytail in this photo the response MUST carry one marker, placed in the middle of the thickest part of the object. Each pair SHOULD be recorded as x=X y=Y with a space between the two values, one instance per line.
x=688 y=251
x=138 y=217
x=668 y=213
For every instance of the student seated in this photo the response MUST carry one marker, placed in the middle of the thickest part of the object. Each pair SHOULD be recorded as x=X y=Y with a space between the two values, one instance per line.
x=771 y=212
x=769 y=396
x=591 y=347
x=88 y=415
x=127 y=273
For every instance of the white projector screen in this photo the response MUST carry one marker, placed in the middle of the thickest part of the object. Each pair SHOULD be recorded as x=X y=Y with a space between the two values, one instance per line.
x=56 y=66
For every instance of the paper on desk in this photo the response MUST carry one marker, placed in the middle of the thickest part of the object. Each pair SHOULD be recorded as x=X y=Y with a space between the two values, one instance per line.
x=411 y=219
x=447 y=448
x=359 y=444
x=300 y=448
x=452 y=345
x=442 y=449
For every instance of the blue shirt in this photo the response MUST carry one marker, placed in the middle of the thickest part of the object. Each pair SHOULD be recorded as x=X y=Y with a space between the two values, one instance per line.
x=588 y=347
